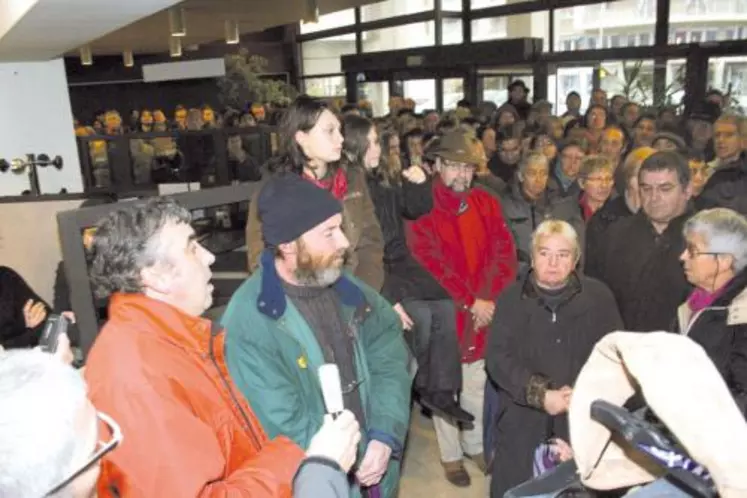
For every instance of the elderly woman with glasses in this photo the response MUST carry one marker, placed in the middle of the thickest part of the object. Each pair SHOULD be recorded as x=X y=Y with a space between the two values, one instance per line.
x=715 y=314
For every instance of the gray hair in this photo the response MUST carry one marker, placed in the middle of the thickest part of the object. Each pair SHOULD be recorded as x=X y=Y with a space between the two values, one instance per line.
x=532 y=158
x=724 y=230
x=41 y=399
x=125 y=243
x=557 y=227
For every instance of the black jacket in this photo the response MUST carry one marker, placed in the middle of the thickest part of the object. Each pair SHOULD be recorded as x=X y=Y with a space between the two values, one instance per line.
x=721 y=329
x=596 y=233
x=727 y=187
x=502 y=170
x=643 y=270
x=534 y=346
x=14 y=292
x=404 y=277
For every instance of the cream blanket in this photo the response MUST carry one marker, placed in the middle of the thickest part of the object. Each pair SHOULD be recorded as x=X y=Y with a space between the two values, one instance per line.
x=685 y=391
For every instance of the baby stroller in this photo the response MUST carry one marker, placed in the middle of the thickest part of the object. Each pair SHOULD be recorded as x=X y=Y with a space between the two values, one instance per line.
x=693 y=447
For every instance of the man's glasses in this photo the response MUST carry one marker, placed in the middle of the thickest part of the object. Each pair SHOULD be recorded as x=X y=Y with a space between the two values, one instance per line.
x=693 y=252
x=102 y=449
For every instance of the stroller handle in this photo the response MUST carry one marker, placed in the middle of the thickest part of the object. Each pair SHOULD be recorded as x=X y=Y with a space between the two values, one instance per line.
x=648 y=440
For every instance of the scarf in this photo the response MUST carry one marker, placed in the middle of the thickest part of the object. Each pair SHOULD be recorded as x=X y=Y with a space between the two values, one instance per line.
x=565 y=181
x=336 y=184
x=701 y=298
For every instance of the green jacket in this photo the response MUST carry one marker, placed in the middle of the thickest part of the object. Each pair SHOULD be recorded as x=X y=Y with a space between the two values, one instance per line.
x=274 y=362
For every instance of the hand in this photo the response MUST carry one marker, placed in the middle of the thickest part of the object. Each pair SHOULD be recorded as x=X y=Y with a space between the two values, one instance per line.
x=34 y=313
x=414 y=174
x=69 y=315
x=557 y=401
x=64 y=352
x=482 y=312
x=561 y=450
x=374 y=464
x=337 y=440
x=407 y=322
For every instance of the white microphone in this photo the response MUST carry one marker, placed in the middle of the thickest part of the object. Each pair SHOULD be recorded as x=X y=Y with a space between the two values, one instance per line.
x=329 y=377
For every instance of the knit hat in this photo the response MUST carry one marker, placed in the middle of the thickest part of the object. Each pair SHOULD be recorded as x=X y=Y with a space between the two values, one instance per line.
x=457 y=146
x=290 y=206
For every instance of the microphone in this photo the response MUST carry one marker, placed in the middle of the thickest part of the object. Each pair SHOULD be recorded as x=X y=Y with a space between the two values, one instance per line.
x=329 y=377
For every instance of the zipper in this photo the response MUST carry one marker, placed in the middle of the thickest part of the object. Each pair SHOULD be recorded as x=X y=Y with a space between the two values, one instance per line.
x=697 y=316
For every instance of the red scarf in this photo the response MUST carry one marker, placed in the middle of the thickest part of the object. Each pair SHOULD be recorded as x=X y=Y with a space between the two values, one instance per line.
x=337 y=184
x=585 y=207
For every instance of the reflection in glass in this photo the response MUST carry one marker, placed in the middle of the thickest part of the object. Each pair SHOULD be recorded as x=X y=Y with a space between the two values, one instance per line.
x=729 y=74
x=323 y=56
x=392 y=8
x=453 y=92
x=377 y=93
x=420 y=34
x=331 y=86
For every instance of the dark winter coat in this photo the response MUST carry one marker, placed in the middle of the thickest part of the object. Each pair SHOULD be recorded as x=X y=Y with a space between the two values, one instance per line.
x=643 y=270
x=596 y=233
x=14 y=292
x=727 y=187
x=721 y=329
x=404 y=278
x=531 y=348
x=524 y=216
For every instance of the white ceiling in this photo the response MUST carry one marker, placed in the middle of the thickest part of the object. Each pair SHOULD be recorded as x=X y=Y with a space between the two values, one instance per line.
x=33 y=30
x=50 y=28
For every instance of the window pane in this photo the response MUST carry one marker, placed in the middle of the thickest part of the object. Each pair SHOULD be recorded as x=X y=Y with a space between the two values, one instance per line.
x=419 y=34
x=573 y=79
x=423 y=92
x=453 y=92
x=495 y=87
x=706 y=10
x=626 y=23
x=533 y=25
x=675 y=82
x=453 y=5
x=330 y=21
x=376 y=92
x=451 y=31
x=634 y=79
x=332 y=86
x=483 y=4
x=323 y=56
x=730 y=74
x=392 y=8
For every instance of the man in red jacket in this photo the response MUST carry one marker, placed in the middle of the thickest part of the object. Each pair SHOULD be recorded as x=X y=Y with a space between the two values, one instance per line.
x=467 y=246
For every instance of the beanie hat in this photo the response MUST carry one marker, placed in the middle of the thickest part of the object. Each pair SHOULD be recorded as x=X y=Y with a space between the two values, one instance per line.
x=290 y=206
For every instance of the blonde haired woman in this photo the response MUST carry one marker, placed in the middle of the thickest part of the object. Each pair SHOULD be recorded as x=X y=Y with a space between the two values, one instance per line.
x=544 y=329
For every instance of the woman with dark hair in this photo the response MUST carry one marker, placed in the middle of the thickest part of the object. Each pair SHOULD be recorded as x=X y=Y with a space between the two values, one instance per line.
x=422 y=304
x=310 y=145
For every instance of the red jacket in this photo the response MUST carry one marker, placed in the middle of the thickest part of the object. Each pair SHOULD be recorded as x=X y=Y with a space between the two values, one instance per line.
x=151 y=370
x=470 y=252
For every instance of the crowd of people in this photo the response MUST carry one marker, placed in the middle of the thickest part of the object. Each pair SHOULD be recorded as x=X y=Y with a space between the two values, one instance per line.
x=471 y=260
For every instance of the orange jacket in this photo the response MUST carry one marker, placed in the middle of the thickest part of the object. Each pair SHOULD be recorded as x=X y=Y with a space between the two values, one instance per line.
x=151 y=369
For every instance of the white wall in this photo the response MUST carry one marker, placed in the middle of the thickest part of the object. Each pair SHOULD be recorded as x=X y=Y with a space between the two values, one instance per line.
x=36 y=118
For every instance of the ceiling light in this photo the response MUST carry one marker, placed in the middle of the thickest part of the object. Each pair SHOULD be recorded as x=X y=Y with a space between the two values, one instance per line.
x=86 y=57
x=128 y=58
x=232 y=32
x=311 y=12
x=177 y=22
x=175 y=46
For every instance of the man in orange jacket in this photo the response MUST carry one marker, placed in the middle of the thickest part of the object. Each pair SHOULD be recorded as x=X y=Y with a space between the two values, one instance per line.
x=159 y=370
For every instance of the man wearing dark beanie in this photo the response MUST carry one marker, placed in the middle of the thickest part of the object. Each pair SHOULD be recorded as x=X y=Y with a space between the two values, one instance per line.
x=301 y=310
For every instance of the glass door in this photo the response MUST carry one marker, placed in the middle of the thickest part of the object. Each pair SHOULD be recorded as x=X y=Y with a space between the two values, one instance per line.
x=423 y=92
x=570 y=79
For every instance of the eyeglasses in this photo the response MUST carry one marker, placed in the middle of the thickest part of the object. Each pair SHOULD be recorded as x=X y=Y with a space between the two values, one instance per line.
x=693 y=252
x=102 y=449
x=460 y=167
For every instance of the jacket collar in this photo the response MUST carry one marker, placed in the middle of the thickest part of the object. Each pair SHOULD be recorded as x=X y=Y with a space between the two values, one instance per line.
x=529 y=290
x=272 y=300
x=162 y=319
x=733 y=300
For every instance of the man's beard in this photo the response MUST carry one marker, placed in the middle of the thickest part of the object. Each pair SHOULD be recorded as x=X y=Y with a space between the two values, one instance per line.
x=315 y=270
